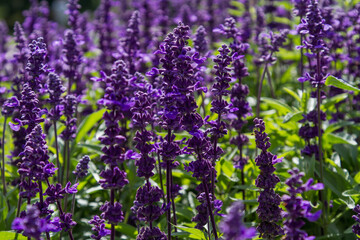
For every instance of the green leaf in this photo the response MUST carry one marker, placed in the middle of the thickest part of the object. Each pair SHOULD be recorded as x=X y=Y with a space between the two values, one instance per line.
x=126 y=229
x=277 y=104
x=7 y=235
x=194 y=233
x=336 y=138
x=292 y=93
x=339 y=83
x=294 y=117
x=351 y=192
x=86 y=125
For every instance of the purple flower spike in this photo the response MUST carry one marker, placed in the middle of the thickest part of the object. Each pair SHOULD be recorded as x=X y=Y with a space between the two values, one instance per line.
x=232 y=225
x=356 y=227
x=31 y=225
x=296 y=207
x=10 y=106
x=82 y=167
x=151 y=233
x=269 y=211
x=112 y=213
x=113 y=178
x=71 y=189
x=99 y=228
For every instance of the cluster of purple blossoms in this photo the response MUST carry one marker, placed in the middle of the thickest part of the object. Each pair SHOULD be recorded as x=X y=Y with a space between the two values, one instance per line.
x=232 y=225
x=147 y=197
x=313 y=25
x=310 y=131
x=239 y=91
x=268 y=211
x=36 y=65
x=113 y=178
x=178 y=82
x=32 y=225
x=296 y=207
x=131 y=43
x=356 y=227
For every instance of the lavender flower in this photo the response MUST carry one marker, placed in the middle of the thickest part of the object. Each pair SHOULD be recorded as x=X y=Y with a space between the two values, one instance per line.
x=131 y=42
x=107 y=34
x=268 y=211
x=56 y=89
x=36 y=65
x=82 y=167
x=99 y=228
x=151 y=233
x=70 y=104
x=296 y=207
x=232 y=225
x=356 y=227
x=35 y=164
x=72 y=11
x=72 y=59
x=31 y=225
x=10 y=106
x=21 y=44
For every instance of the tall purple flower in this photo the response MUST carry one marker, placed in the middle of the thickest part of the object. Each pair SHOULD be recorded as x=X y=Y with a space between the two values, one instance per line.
x=56 y=89
x=31 y=225
x=296 y=207
x=73 y=8
x=72 y=59
x=356 y=227
x=117 y=105
x=70 y=104
x=36 y=65
x=131 y=42
x=29 y=110
x=99 y=228
x=232 y=225
x=268 y=211
x=107 y=34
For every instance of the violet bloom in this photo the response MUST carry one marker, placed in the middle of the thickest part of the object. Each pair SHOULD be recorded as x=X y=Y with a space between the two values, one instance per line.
x=36 y=65
x=356 y=227
x=30 y=113
x=107 y=34
x=296 y=207
x=31 y=225
x=131 y=42
x=99 y=228
x=73 y=8
x=314 y=26
x=82 y=167
x=151 y=233
x=56 y=89
x=10 y=106
x=309 y=131
x=72 y=59
x=232 y=225
x=21 y=56
x=35 y=157
x=70 y=104
x=268 y=211
x=146 y=205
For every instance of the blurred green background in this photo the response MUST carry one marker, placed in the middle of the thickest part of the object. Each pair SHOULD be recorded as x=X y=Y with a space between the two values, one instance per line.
x=12 y=10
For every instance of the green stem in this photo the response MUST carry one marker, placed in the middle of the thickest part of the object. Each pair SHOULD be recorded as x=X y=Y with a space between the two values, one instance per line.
x=57 y=153
x=73 y=200
x=3 y=163
x=258 y=99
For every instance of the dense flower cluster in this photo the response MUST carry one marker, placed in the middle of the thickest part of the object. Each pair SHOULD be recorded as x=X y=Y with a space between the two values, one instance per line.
x=173 y=77
x=232 y=225
x=296 y=207
x=269 y=211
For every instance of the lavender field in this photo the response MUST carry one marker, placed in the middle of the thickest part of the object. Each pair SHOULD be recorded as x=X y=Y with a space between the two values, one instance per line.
x=181 y=119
